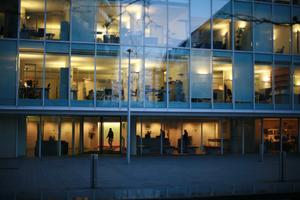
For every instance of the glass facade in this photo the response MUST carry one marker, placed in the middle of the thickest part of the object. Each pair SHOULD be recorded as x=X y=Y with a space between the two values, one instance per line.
x=187 y=54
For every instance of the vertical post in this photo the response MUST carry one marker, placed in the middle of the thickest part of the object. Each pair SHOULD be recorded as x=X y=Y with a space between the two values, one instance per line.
x=101 y=135
x=141 y=146
x=121 y=137
x=243 y=137
x=181 y=139
x=17 y=136
x=73 y=137
x=298 y=135
x=222 y=137
x=282 y=166
x=94 y=170
x=261 y=146
x=128 y=105
x=40 y=137
x=81 y=138
x=201 y=142
x=59 y=137
x=161 y=140
x=280 y=129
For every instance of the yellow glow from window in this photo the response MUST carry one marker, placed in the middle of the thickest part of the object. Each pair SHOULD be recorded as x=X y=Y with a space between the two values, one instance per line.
x=242 y=24
x=296 y=28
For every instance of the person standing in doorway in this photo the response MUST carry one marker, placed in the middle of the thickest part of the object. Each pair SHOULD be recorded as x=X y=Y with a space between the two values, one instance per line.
x=110 y=137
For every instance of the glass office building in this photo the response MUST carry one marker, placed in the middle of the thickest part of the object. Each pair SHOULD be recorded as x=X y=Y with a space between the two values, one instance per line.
x=205 y=76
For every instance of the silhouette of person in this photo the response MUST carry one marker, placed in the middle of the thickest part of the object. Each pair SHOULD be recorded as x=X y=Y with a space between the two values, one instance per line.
x=110 y=137
x=185 y=138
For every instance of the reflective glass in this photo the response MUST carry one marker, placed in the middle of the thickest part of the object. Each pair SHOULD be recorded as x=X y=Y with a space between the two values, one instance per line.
x=243 y=79
x=297 y=85
x=178 y=23
x=107 y=75
x=178 y=72
x=156 y=77
x=108 y=18
x=83 y=20
x=132 y=22
x=156 y=22
x=9 y=18
x=32 y=19
x=221 y=12
x=296 y=30
x=58 y=20
x=200 y=23
x=282 y=82
x=201 y=78
x=263 y=27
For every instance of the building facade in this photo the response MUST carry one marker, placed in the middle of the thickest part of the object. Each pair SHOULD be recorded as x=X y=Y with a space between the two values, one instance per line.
x=205 y=77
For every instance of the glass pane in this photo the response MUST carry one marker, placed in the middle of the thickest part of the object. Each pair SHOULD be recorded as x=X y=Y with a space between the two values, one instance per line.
x=282 y=1
x=200 y=23
x=282 y=82
x=9 y=18
x=222 y=80
x=136 y=76
x=201 y=78
x=178 y=78
x=290 y=135
x=56 y=79
x=49 y=142
x=296 y=30
x=32 y=135
x=178 y=23
x=243 y=77
x=297 y=85
x=271 y=131
x=222 y=24
x=191 y=137
x=82 y=75
x=296 y=2
x=281 y=28
x=263 y=81
x=132 y=23
x=8 y=54
x=107 y=76
x=83 y=20
x=67 y=136
x=91 y=140
x=156 y=76
x=108 y=17
x=155 y=22
x=111 y=135
x=32 y=19
x=58 y=22
x=263 y=27
x=243 y=26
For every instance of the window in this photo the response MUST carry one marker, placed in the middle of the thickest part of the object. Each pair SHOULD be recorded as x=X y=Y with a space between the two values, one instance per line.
x=263 y=27
x=32 y=19
x=83 y=20
x=156 y=76
x=222 y=80
x=243 y=77
x=107 y=75
x=281 y=29
x=243 y=26
x=58 y=22
x=8 y=18
x=108 y=17
x=222 y=24
x=156 y=22
x=178 y=78
x=201 y=78
x=200 y=23
x=297 y=85
x=296 y=30
x=178 y=23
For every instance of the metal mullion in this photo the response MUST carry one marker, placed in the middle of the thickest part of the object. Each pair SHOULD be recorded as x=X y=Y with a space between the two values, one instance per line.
x=292 y=83
x=189 y=64
x=143 y=61
x=17 y=56
x=253 y=58
x=233 y=56
x=211 y=55
x=44 y=55
x=167 y=56
x=119 y=59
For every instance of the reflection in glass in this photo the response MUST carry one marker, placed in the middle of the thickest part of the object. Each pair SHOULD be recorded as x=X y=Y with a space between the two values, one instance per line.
x=296 y=30
x=178 y=23
x=263 y=82
x=200 y=23
x=290 y=134
x=31 y=70
x=243 y=73
x=263 y=27
x=297 y=85
x=91 y=134
x=8 y=54
x=201 y=77
x=155 y=79
x=83 y=20
x=107 y=75
x=56 y=78
x=282 y=82
x=136 y=84
x=222 y=80
x=32 y=19
x=243 y=26
x=8 y=18
x=281 y=29
x=178 y=78
x=282 y=1
x=222 y=24
x=155 y=22
x=271 y=135
x=49 y=143
x=57 y=25
x=82 y=78
x=132 y=23
x=108 y=14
